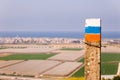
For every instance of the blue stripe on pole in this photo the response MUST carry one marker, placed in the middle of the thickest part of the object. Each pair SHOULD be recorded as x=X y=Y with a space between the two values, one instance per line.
x=92 y=29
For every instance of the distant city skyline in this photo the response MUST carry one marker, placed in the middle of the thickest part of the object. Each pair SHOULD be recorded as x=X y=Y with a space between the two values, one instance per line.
x=58 y=15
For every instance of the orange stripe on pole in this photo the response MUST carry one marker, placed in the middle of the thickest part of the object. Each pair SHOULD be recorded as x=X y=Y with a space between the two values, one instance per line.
x=92 y=37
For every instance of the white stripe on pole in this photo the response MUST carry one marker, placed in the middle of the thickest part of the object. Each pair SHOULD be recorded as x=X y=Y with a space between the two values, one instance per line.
x=92 y=22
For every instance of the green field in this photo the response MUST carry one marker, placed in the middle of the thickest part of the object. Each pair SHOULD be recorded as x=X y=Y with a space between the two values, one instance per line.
x=42 y=56
x=108 y=57
x=72 y=49
x=2 y=48
x=109 y=68
x=79 y=73
x=109 y=64
x=82 y=60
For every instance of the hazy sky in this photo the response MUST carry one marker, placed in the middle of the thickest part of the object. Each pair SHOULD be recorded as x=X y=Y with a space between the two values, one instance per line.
x=57 y=15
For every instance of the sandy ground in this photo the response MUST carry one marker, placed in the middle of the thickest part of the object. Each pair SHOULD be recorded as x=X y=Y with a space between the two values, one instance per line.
x=68 y=56
x=63 y=70
x=30 y=68
x=39 y=68
x=8 y=63
x=24 y=78
x=27 y=50
x=2 y=61
x=67 y=51
x=4 y=54
x=111 y=49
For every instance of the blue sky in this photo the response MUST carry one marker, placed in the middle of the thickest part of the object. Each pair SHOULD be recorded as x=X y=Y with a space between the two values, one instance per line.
x=57 y=15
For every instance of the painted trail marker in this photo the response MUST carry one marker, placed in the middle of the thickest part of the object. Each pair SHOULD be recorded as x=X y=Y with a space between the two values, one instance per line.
x=93 y=49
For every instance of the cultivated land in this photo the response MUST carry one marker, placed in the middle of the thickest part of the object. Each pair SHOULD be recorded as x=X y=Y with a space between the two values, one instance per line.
x=68 y=56
x=72 y=49
x=109 y=65
x=109 y=62
x=27 y=50
x=41 y=56
x=39 y=68
x=8 y=63
x=64 y=69
x=41 y=65
x=29 y=68
x=3 y=48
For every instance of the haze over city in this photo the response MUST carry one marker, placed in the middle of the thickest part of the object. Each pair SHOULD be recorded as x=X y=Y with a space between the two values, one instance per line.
x=57 y=15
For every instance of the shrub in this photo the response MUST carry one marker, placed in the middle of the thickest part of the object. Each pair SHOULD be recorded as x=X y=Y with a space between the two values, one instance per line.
x=116 y=78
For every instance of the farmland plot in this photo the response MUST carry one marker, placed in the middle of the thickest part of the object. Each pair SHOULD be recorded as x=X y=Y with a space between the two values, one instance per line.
x=63 y=70
x=67 y=57
x=8 y=63
x=29 y=68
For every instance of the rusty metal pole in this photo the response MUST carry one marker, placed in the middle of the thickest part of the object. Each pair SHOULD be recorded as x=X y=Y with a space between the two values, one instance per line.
x=93 y=49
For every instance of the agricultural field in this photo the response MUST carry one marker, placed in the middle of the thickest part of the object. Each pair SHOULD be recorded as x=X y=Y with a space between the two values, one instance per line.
x=108 y=57
x=67 y=56
x=109 y=68
x=109 y=64
x=79 y=73
x=72 y=49
x=41 y=56
x=28 y=68
x=3 y=48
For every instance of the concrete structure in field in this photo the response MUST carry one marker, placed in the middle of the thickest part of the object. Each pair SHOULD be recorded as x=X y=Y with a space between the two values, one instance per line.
x=93 y=49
